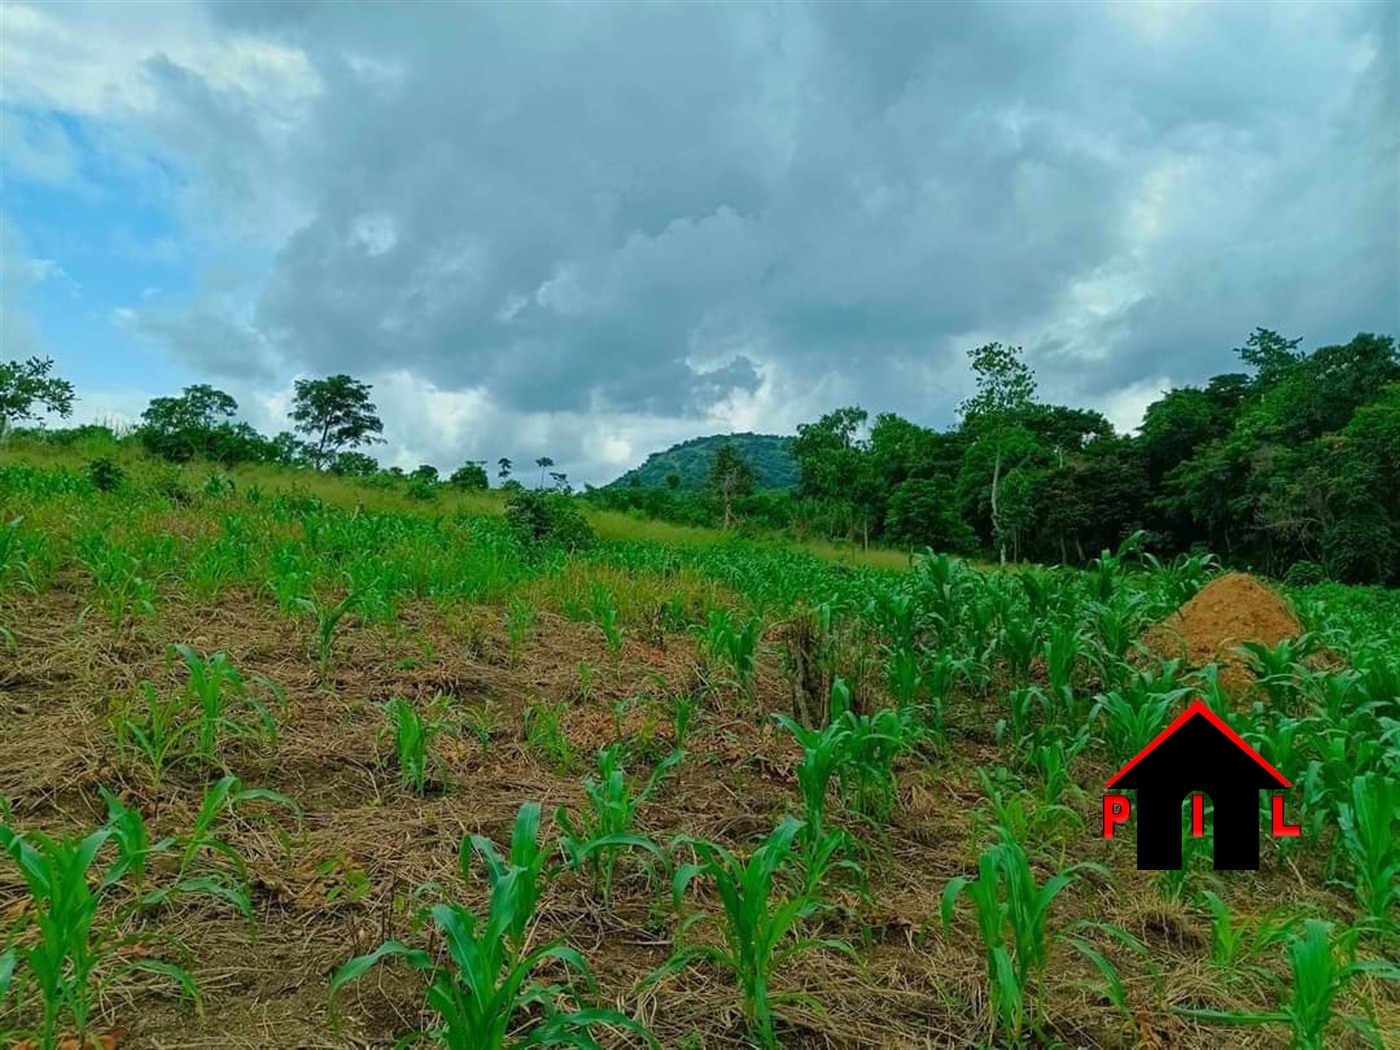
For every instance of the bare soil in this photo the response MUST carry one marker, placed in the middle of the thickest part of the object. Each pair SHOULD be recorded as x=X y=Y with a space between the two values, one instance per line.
x=1231 y=609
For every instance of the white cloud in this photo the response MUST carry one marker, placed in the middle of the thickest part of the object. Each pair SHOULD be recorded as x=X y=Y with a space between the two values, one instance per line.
x=89 y=60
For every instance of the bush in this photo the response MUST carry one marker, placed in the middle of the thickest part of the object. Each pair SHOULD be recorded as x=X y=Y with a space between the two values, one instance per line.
x=1304 y=574
x=470 y=476
x=105 y=475
x=419 y=488
x=1361 y=550
x=537 y=517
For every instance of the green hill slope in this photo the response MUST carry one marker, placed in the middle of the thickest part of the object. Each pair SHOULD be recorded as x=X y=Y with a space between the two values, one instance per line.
x=691 y=460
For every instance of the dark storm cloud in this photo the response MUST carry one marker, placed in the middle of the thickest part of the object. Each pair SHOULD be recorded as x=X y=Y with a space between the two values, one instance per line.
x=641 y=207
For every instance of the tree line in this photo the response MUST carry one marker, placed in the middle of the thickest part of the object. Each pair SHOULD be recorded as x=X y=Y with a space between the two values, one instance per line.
x=333 y=420
x=1290 y=466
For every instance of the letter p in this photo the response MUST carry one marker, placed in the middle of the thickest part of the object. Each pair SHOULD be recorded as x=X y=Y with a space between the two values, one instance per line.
x=1116 y=810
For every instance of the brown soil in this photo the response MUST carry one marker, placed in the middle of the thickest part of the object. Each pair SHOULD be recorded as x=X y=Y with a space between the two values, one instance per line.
x=1228 y=611
x=264 y=985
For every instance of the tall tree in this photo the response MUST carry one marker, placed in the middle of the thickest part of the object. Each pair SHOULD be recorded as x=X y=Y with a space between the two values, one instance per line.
x=335 y=413
x=731 y=477
x=544 y=463
x=470 y=475
x=1270 y=355
x=180 y=428
x=1005 y=393
x=503 y=468
x=24 y=384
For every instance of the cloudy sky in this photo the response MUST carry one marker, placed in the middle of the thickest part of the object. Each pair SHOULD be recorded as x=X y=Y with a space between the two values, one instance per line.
x=593 y=229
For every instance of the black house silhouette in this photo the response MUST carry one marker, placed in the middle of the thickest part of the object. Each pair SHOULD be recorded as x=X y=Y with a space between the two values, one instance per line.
x=1198 y=753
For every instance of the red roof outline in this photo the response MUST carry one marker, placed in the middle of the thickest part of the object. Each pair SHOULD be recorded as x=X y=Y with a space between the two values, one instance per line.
x=1199 y=708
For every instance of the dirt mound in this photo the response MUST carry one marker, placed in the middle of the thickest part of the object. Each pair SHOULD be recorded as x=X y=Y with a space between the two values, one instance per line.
x=1229 y=610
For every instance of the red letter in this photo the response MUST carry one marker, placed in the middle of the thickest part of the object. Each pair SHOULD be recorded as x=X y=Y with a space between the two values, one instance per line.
x=1282 y=830
x=1115 y=811
x=1198 y=816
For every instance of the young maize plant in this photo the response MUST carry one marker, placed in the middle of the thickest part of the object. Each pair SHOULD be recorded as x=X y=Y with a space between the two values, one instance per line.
x=904 y=676
x=681 y=709
x=16 y=567
x=214 y=684
x=822 y=847
x=605 y=825
x=483 y=721
x=71 y=955
x=1052 y=760
x=526 y=855
x=1370 y=835
x=608 y=617
x=1322 y=971
x=194 y=723
x=1130 y=717
x=328 y=618
x=761 y=931
x=1277 y=670
x=544 y=732
x=208 y=864
x=154 y=735
x=413 y=735
x=1235 y=946
x=736 y=648
x=873 y=743
x=1019 y=814
x=1007 y=900
x=132 y=842
x=484 y=991
x=122 y=592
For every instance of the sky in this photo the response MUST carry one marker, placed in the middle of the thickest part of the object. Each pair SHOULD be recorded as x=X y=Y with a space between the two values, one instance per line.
x=591 y=230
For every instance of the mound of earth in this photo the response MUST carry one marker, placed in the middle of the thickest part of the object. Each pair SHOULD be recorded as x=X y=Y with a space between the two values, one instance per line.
x=1228 y=611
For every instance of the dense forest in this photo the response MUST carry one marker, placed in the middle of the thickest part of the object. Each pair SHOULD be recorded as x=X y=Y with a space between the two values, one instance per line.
x=688 y=465
x=1289 y=466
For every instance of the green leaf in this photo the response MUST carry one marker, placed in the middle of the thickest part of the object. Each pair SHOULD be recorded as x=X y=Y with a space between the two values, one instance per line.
x=361 y=964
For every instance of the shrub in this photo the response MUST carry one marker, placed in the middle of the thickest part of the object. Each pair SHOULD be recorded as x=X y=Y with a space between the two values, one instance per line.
x=536 y=517
x=1304 y=574
x=105 y=475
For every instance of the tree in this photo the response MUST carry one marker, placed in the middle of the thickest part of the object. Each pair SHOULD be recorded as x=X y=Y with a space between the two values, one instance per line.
x=544 y=463
x=355 y=465
x=425 y=472
x=180 y=428
x=561 y=481
x=731 y=477
x=334 y=413
x=922 y=515
x=24 y=384
x=471 y=475
x=503 y=468
x=284 y=448
x=673 y=481
x=1005 y=393
x=1270 y=355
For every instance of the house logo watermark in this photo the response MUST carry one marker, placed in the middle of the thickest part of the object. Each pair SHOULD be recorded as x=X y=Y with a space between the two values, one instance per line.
x=1199 y=755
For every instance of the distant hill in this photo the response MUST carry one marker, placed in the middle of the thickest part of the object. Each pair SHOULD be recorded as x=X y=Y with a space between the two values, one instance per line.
x=691 y=460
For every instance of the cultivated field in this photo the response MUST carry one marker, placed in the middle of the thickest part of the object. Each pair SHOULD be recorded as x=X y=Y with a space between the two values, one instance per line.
x=739 y=794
